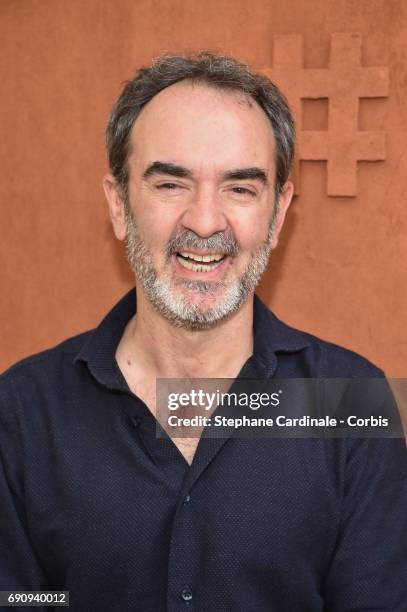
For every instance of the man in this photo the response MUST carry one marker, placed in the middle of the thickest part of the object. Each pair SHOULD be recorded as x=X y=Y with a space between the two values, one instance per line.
x=93 y=502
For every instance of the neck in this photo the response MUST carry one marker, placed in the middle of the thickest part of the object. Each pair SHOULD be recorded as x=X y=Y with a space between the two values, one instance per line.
x=150 y=343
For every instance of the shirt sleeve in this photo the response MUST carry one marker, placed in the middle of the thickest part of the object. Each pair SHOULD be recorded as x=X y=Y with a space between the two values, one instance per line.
x=368 y=569
x=20 y=568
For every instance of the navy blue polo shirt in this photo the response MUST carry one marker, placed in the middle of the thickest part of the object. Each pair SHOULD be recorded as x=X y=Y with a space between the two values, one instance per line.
x=92 y=502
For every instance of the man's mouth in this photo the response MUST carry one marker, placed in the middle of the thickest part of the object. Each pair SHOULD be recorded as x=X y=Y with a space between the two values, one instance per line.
x=200 y=263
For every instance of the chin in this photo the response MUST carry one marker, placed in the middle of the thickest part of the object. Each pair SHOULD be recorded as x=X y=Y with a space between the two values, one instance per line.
x=196 y=309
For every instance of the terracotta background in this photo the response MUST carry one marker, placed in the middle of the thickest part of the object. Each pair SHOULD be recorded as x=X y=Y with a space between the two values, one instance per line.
x=340 y=269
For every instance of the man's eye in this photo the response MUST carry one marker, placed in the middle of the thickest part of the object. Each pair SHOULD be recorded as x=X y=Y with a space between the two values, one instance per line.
x=170 y=186
x=243 y=191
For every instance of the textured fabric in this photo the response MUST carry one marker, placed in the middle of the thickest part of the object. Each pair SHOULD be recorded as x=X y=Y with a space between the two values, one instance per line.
x=92 y=502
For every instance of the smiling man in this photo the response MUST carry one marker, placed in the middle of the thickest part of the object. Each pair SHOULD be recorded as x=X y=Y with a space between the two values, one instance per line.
x=93 y=502
x=201 y=160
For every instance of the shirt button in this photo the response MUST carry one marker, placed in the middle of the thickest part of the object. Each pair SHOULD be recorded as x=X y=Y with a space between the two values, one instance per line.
x=187 y=499
x=186 y=594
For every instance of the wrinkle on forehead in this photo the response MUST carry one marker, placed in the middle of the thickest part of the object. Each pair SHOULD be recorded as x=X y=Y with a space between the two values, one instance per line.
x=219 y=93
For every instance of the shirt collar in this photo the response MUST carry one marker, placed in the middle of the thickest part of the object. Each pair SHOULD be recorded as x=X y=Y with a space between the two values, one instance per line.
x=271 y=336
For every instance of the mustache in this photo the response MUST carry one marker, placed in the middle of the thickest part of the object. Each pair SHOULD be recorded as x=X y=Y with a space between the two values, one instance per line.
x=217 y=243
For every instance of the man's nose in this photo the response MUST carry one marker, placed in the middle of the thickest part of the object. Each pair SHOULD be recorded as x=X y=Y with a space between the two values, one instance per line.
x=205 y=214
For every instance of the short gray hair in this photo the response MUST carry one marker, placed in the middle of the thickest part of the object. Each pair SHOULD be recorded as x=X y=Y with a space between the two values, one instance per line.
x=219 y=71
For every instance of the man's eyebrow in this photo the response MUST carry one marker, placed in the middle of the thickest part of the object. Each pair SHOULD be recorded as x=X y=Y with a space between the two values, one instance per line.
x=159 y=167
x=246 y=173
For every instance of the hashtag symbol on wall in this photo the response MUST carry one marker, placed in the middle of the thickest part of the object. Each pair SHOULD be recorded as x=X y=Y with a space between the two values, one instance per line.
x=343 y=83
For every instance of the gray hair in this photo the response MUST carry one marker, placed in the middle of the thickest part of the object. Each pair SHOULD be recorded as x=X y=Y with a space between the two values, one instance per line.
x=219 y=71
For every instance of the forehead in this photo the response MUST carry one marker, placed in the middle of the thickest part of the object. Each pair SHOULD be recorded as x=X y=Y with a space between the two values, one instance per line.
x=204 y=128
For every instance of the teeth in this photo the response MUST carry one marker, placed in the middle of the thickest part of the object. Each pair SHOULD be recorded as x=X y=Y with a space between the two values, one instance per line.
x=197 y=267
x=204 y=258
x=208 y=258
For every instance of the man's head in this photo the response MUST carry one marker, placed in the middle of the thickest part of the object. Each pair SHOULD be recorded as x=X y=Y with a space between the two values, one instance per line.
x=200 y=150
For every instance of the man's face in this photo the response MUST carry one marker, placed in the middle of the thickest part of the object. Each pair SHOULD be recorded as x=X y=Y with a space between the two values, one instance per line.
x=200 y=213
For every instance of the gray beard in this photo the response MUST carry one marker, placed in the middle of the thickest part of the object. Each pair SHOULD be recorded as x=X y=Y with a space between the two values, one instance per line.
x=163 y=295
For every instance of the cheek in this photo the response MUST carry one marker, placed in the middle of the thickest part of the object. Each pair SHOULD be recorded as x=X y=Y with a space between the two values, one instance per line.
x=251 y=229
x=156 y=226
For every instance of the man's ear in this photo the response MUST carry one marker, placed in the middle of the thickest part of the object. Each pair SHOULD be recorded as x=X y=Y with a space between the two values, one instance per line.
x=283 y=204
x=115 y=203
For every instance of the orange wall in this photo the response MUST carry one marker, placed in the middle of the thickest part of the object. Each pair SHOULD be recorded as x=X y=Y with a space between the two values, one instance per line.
x=340 y=269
